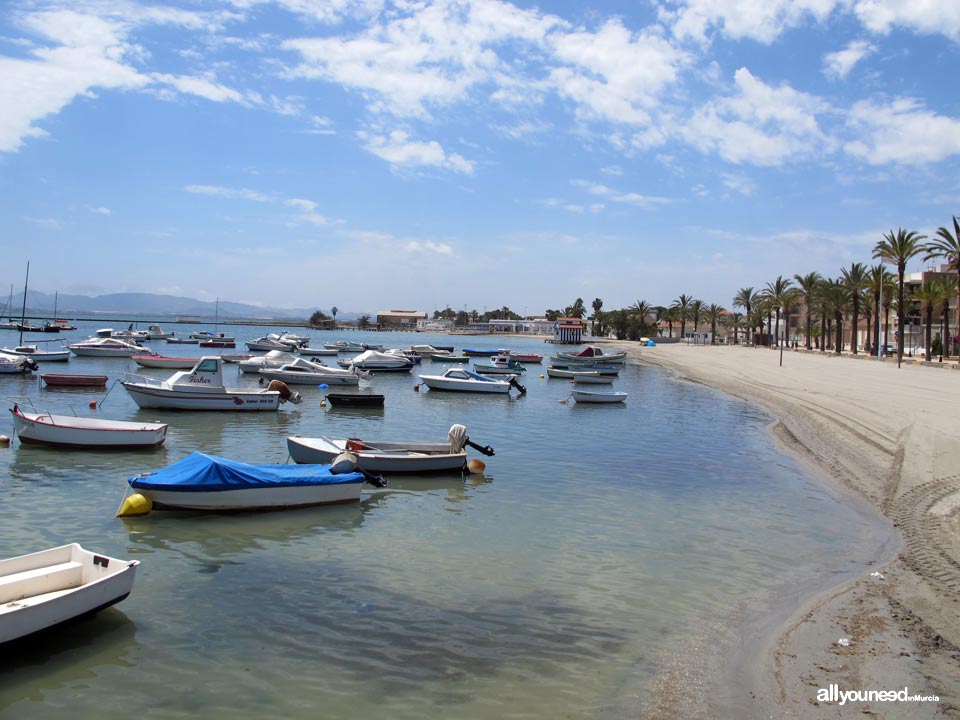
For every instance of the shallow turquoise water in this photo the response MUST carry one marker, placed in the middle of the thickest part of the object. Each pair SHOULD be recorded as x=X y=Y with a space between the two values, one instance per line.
x=598 y=539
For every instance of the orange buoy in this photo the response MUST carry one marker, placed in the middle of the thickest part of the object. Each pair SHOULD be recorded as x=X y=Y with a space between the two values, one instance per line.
x=93 y=404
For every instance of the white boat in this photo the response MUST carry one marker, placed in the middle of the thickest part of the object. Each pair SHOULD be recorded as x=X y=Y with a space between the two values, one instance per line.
x=270 y=342
x=591 y=396
x=383 y=456
x=293 y=338
x=566 y=374
x=376 y=361
x=499 y=365
x=207 y=482
x=107 y=347
x=10 y=363
x=49 y=587
x=592 y=379
x=155 y=332
x=164 y=362
x=38 y=354
x=202 y=388
x=85 y=432
x=325 y=352
x=274 y=359
x=177 y=340
x=596 y=355
x=462 y=380
x=304 y=372
x=612 y=370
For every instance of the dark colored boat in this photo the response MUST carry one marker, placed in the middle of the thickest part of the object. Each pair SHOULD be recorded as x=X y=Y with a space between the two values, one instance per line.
x=62 y=380
x=355 y=399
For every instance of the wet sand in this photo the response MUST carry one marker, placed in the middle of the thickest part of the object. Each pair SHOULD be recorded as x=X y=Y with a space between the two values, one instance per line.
x=885 y=436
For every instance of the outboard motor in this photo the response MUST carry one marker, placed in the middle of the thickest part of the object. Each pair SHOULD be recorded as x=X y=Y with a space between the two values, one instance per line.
x=518 y=386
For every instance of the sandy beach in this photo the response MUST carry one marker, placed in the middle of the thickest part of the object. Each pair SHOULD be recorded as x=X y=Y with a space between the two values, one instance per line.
x=890 y=437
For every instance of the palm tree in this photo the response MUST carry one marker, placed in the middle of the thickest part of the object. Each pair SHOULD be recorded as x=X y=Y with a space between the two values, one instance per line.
x=577 y=310
x=898 y=250
x=775 y=293
x=714 y=312
x=836 y=297
x=929 y=295
x=745 y=299
x=697 y=309
x=682 y=307
x=640 y=310
x=947 y=245
x=363 y=322
x=735 y=320
x=807 y=286
x=597 y=306
x=755 y=319
x=880 y=284
x=333 y=311
x=854 y=280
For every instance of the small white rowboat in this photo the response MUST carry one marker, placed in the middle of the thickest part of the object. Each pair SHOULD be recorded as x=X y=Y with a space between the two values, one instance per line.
x=49 y=587
x=585 y=396
x=85 y=432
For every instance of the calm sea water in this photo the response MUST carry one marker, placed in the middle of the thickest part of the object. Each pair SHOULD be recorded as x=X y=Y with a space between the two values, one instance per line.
x=598 y=539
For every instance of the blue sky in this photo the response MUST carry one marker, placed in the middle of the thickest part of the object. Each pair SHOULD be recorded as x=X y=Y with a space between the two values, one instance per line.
x=375 y=154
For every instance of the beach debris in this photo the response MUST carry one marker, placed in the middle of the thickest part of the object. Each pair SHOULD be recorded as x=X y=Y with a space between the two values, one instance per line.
x=844 y=642
x=877 y=574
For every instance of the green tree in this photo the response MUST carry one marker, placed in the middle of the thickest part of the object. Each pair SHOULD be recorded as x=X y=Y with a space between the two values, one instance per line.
x=363 y=322
x=855 y=281
x=597 y=306
x=835 y=298
x=946 y=245
x=897 y=249
x=714 y=312
x=682 y=308
x=929 y=295
x=807 y=285
x=775 y=294
x=318 y=318
x=333 y=311
x=697 y=310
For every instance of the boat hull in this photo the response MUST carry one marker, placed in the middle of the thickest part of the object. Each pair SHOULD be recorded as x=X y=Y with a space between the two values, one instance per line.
x=63 y=380
x=235 y=400
x=168 y=363
x=582 y=396
x=80 y=433
x=309 y=378
x=45 y=589
x=255 y=498
x=436 y=382
x=389 y=457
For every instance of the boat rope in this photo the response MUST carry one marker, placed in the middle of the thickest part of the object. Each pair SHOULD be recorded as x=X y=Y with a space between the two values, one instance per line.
x=112 y=386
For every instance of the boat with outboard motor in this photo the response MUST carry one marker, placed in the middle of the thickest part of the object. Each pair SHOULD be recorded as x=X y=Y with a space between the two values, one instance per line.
x=376 y=361
x=305 y=372
x=202 y=388
x=107 y=347
x=207 y=482
x=390 y=456
x=462 y=380
x=10 y=363
x=499 y=365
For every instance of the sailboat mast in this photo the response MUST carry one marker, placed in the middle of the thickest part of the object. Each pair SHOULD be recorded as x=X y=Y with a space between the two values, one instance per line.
x=23 y=312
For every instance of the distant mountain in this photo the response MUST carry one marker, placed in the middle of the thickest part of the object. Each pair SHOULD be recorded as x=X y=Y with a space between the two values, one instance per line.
x=152 y=305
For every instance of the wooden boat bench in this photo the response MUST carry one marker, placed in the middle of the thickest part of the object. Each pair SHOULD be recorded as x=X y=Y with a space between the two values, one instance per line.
x=38 y=581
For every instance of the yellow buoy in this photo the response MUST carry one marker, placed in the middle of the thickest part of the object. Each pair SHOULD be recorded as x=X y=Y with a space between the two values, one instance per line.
x=541 y=376
x=323 y=403
x=135 y=505
x=476 y=466
x=4 y=440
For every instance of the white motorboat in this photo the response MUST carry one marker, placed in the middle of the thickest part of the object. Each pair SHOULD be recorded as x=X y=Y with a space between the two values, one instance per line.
x=274 y=359
x=208 y=482
x=499 y=365
x=164 y=362
x=462 y=380
x=376 y=361
x=202 y=388
x=565 y=374
x=107 y=347
x=178 y=340
x=304 y=372
x=10 y=363
x=612 y=370
x=38 y=354
x=155 y=332
x=592 y=379
x=46 y=588
x=271 y=342
x=300 y=341
x=591 y=396
x=383 y=456
x=85 y=432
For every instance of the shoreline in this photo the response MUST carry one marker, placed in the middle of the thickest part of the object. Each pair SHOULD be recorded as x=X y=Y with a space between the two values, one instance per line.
x=887 y=441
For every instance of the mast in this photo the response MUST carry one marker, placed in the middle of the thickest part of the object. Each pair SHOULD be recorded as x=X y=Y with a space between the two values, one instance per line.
x=23 y=312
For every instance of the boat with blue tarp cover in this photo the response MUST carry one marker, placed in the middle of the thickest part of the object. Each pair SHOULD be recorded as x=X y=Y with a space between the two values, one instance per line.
x=208 y=482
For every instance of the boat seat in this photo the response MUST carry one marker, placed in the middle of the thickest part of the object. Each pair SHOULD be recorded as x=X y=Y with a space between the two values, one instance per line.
x=49 y=578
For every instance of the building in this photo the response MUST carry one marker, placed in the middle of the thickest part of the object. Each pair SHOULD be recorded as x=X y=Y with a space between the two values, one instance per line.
x=568 y=330
x=399 y=319
x=435 y=325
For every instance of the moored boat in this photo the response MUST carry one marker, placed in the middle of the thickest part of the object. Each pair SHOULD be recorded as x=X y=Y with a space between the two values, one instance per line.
x=304 y=372
x=450 y=358
x=499 y=365
x=85 y=432
x=596 y=355
x=78 y=380
x=593 y=396
x=354 y=399
x=164 y=362
x=207 y=482
x=383 y=456
x=376 y=361
x=202 y=388
x=38 y=354
x=10 y=363
x=46 y=588
x=462 y=380
x=107 y=347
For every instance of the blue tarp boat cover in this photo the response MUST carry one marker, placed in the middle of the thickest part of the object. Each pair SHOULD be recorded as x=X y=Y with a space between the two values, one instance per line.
x=199 y=472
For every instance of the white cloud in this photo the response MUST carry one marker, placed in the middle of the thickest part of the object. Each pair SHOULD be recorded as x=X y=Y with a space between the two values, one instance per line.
x=760 y=20
x=229 y=193
x=46 y=223
x=837 y=65
x=933 y=17
x=400 y=151
x=426 y=246
x=201 y=86
x=760 y=124
x=101 y=211
x=902 y=132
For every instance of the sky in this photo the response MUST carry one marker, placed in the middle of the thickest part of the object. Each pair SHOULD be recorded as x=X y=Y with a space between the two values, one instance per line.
x=373 y=155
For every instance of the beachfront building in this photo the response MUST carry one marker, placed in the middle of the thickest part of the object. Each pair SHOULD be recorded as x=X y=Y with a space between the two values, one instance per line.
x=399 y=319
x=568 y=330
x=440 y=325
x=539 y=326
